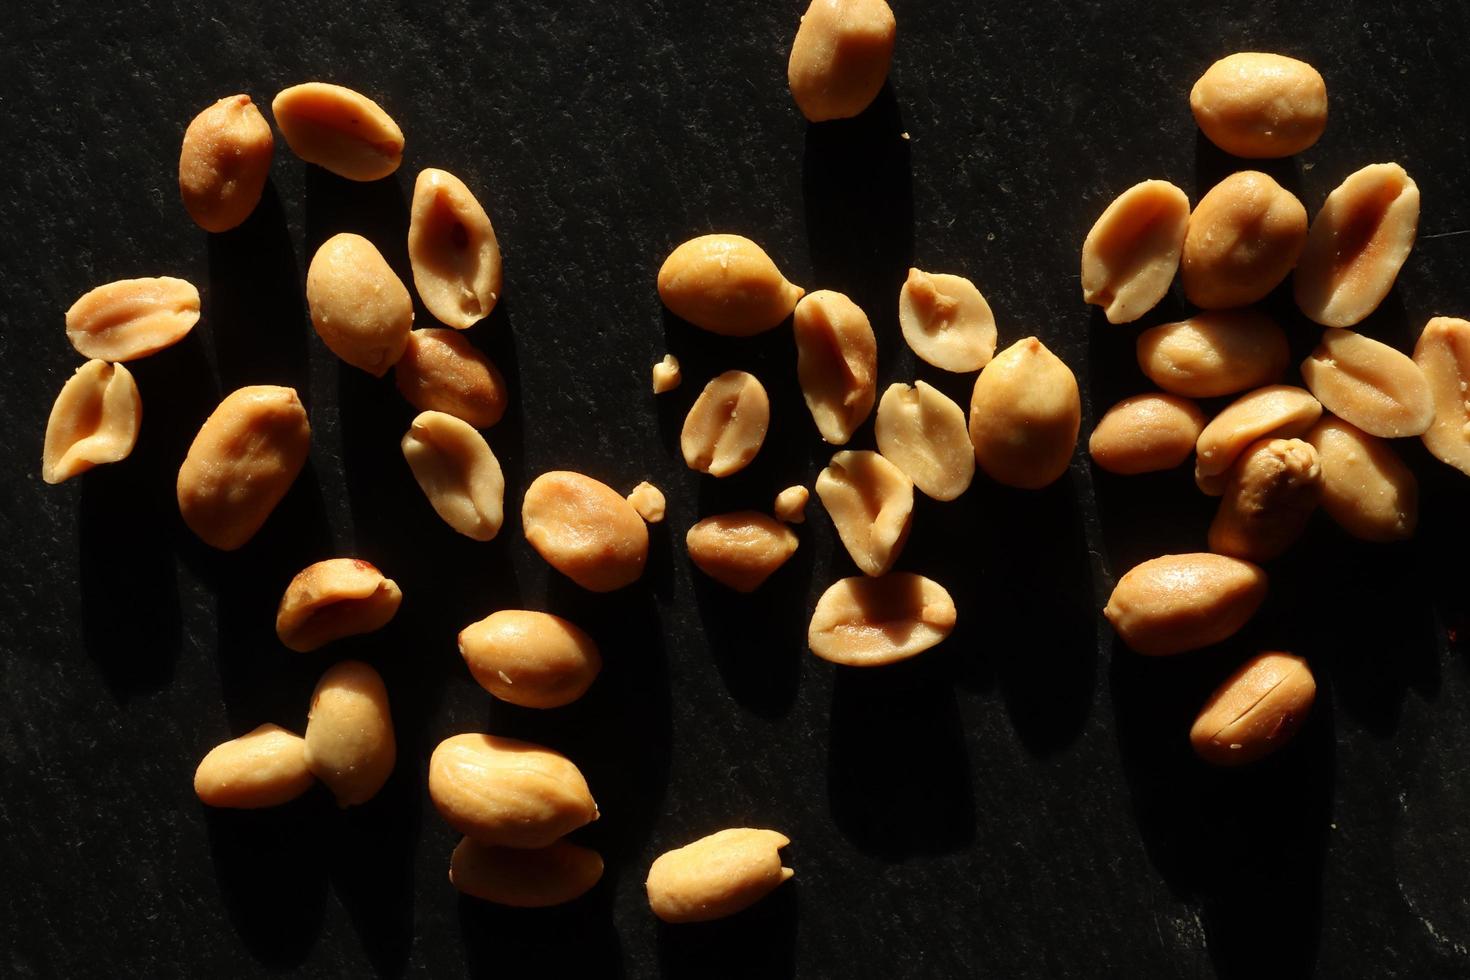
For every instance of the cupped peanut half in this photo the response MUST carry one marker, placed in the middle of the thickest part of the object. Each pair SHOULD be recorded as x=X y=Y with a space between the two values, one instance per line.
x=244 y=459
x=667 y=375
x=871 y=503
x=840 y=57
x=716 y=876
x=1276 y=410
x=1132 y=252
x=726 y=424
x=528 y=879
x=264 y=767
x=727 y=285
x=740 y=550
x=648 y=500
x=458 y=473
x=585 y=530
x=452 y=250
x=790 y=505
x=836 y=363
x=1268 y=498
x=132 y=318
x=441 y=371
x=1025 y=413
x=946 y=321
x=1178 y=603
x=224 y=162
x=332 y=599
x=1358 y=243
x=349 y=733
x=532 y=659
x=869 y=622
x=923 y=432
x=359 y=307
x=508 y=793
x=94 y=420
x=1260 y=105
x=1243 y=241
x=338 y=129
x=1443 y=354
x=1366 y=488
x=1257 y=711
x=1219 y=352
x=1146 y=434
x=1371 y=385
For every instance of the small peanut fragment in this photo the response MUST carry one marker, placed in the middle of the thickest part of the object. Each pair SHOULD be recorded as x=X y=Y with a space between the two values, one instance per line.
x=264 y=767
x=1243 y=241
x=332 y=599
x=727 y=285
x=946 y=321
x=508 y=793
x=452 y=250
x=840 y=57
x=1132 y=252
x=359 y=307
x=716 y=876
x=532 y=659
x=441 y=371
x=1366 y=488
x=1275 y=410
x=339 y=129
x=1025 y=413
x=922 y=432
x=585 y=530
x=1183 y=602
x=457 y=471
x=1219 y=352
x=836 y=363
x=132 y=318
x=1443 y=354
x=869 y=622
x=871 y=503
x=526 y=879
x=648 y=500
x=740 y=550
x=1371 y=385
x=1146 y=434
x=1258 y=105
x=667 y=375
x=791 y=504
x=224 y=162
x=1256 y=711
x=94 y=421
x=1268 y=498
x=726 y=425
x=349 y=733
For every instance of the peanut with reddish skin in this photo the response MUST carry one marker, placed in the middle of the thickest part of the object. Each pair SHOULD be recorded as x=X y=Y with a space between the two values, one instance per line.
x=441 y=371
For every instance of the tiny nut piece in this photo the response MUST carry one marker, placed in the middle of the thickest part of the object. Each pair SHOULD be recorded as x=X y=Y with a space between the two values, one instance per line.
x=1183 y=602
x=716 y=876
x=1366 y=488
x=1219 y=352
x=532 y=659
x=1357 y=245
x=1025 y=413
x=457 y=471
x=922 y=432
x=666 y=375
x=727 y=285
x=1132 y=252
x=1275 y=410
x=836 y=363
x=452 y=250
x=94 y=420
x=1443 y=354
x=1243 y=241
x=1146 y=434
x=332 y=599
x=132 y=318
x=349 y=733
x=740 y=550
x=869 y=622
x=648 y=500
x=871 y=503
x=790 y=504
x=946 y=321
x=1260 y=106
x=224 y=162
x=1368 y=383
x=508 y=793
x=527 y=879
x=359 y=307
x=264 y=767
x=1256 y=711
x=244 y=459
x=1268 y=498
x=585 y=530
x=339 y=129
x=840 y=57
x=441 y=371
x=726 y=424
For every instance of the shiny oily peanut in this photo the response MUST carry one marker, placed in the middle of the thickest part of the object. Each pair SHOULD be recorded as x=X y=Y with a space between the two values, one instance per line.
x=338 y=129
x=360 y=309
x=740 y=550
x=224 y=162
x=1218 y=352
x=1132 y=252
x=840 y=57
x=1178 y=603
x=726 y=425
x=264 y=767
x=1268 y=498
x=871 y=503
x=870 y=622
x=1260 y=106
x=441 y=371
x=349 y=733
x=836 y=363
x=716 y=876
x=1243 y=241
x=1276 y=410
x=1257 y=711
x=946 y=321
x=452 y=250
x=1366 y=488
x=1146 y=434
x=648 y=500
x=727 y=285
x=667 y=375
x=528 y=879
x=922 y=432
x=1443 y=354
x=332 y=599
x=1371 y=385
x=790 y=504
x=132 y=318
x=93 y=421
x=458 y=473
x=532 y=659
x=1025 y=413
x=508 y=793
x=585 y=530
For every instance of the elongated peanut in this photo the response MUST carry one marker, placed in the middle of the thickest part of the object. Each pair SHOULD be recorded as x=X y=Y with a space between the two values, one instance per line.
x=1183 y=602
x=532 y=659
x=727 y=285
x=508 y=793
x=441 y=371
x=1132 y=252
x=869 y=622
x=1259 y=105
x=1219 y=352
x=1443 y=354
x=224 y=163
x=1256 y=711
x=1275 y=410
x=946 y=321
x=922 y=432
x=1371 y=385
x=1268 y=498
x=264 y=767
x=840 y=57
x=1357 y=245
x=648 y=500
x=459 y=474
x=94 y=420
x=1025 y=413
x=585 y=530
x=527 y=879
x=666 y=375
x=1244 y=239
x=1146 y=433
x=452 y=250
x=836 y=363
x=791 y=504
x=740 y=550
x=349 y=734
x=332 y=599
x=339 y=129
x=726 y=425
x=871 y=503
x=132 y=318
x=1366 y=488
x=717 y=875
x=359 y=307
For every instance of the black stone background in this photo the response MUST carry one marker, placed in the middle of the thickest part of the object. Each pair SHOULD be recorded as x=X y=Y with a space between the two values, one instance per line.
x=1020 y=802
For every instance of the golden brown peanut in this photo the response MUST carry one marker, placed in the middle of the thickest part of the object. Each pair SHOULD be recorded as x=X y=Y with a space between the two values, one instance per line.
x=1132 y=252
x=332 y=599
x=740 y=550
x=1183 y=602
x=717 y=875
x=508 y=793
x=1366 y=488
x=349 y=733
x=791 y=504
x=244 y=459
x=727 y=285
x=441 y=371
x=585 y=530
x=836 y=363
x=1146 y=434
x=869 y=622
x=922 y=432
x=1260 y=106
x=946 y=321
x=648 y=500
x=1443 y=354
x=339 y=129
x=840 y=57
x=666 y=375
x=527 y=879
x=453 y=251
x=1244 y=239
x=1276 y=410
x=224 y=162
x=726 y=425
x=1371 y=385
x=132 y=318
x=1256 y=711
x=94 y=421
x=1268 y=498
x=532 y=659
x=1219 y=352
x=1025 y=413
x=360 y=309
x=457 y=471
x=871 y=503
x=1357 y=245
x=264 y=767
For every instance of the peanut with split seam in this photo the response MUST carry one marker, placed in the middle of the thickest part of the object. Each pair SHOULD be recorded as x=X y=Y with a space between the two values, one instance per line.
x=132 y=318
x=726 y=425
x=94 y=421
x=1256 y=711
x=836 y=363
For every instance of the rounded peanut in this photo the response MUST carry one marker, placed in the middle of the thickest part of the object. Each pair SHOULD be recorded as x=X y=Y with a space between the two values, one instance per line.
x=532 y=659
x=648 y=500
x=459 y=474
x=716 y=876
x=332 y=599
x=94 y=421
x=1275 y=410
x=1443 y=354
x=1259 y=105
x=1219 y=352
x=790 y=504
x=441 y=371
x=224 y=162
x=1256 y=711
x=527 y=879
x=740 y=550
x=132 y=318
x=1244 y=239
x=1366 y=488
x=922 y=432
x=1146 y=434
x=349 y=733
x=1268 y=498
x=871 y=503
x=339 y=129
x=836 y=363
x=946 y=322
x=726 y=425
x=1371 y=385
x=452 y=250
x=264 y=767
x=666 y=375
x=508 y=793
x=727 y=285
x=1183 y=602
x=1025 y=413
x=360 y=309
x=869 y=622
x=585 y=530
x=1132 y=252
x=840 y=57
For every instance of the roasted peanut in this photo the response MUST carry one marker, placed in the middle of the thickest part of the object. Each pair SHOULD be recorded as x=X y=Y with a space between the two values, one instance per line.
x=1219 y=352
x=244 y=459
x=508 y=793
x=527 y=879
x=871 y=503
x=1268 y=498
x=224 y=162
x=666 y=375
x=94 y=421
x=441 y=371
x=452 y=250
x=132 y=318
x=1183 y=602
x=1244 y=239
x=922 y=432
x=791 y=504
x=836 y=363
x=740 y=550
x=717 y=875
x=840 y=57
x=264 y=767
x=457 y=471
x=648 y=500
x=349 y=733
x=1357 y=245
x=946 y=321
x=1443 y=354
x=1259 y=105
x=869 y=622
x=726 y=425
x=727 y=285
x=1025 y=413
x=1256 y=711
x=339 y=129
x=585 y=530
x=1371 y=385
x=1146 y=433
x=532 y=659
x=1366 y=488
x=360 y=309
x=332 y=599
x=1275 y=410
x=1132 y=252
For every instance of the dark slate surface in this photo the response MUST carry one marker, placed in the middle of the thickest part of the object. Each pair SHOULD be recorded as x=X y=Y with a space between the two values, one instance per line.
x=1020 y=802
